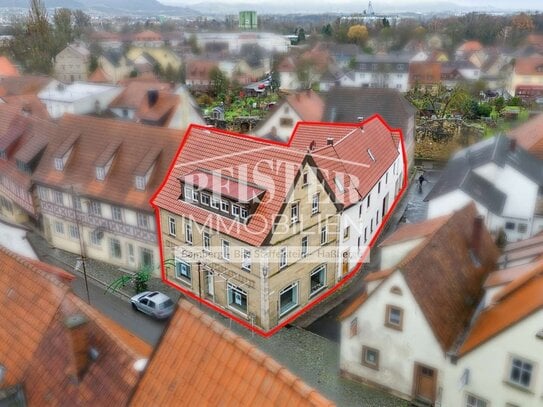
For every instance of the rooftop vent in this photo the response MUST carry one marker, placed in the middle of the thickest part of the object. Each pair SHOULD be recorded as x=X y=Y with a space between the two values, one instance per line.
x=329 y=141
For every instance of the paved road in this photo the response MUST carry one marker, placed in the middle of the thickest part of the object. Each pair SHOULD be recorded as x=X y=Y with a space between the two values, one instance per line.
x=119 y=310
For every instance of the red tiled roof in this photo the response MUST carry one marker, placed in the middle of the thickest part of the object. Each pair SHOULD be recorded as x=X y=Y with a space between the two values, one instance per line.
x=99 y=76
x=507 y=275
x=412 y=231
x=198 y=69
x=518 y=300
x=28 y=103
x=37 y=350
x=23 y=85
x=7 y=68
x=378 y=275
x=200 y=362
x=529 y=136
x=160 y=112
x=308 y=104
x=470 y=46
x=135 y=93
x=353 y=306
x=147 y=35
x=425 y=73
x=94 y=136
x=532 y=66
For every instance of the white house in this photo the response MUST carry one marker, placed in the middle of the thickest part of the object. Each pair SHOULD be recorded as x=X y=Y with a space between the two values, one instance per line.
x=500 y=362
x=78 y=98
x=397 y=334
x=503 y=180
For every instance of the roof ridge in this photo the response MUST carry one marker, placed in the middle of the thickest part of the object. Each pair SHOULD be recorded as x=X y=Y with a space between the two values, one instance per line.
x=519 y=282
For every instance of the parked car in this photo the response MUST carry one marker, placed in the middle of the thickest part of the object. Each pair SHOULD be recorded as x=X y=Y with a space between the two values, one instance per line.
x=153 y=303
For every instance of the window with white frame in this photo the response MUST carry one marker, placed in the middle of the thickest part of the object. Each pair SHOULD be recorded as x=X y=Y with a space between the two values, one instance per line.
x=520 y=372
x=143 y=221
x=190 y=194
x=43 y=193
x=215 y=202
x=117 y=213
x=94 y=238
x=182 y=270
x=288 y=299
x=172 y=227
x=237 y=298
x=318 y=279
x=115 y=248
x=226 y=249
x=188 y=233
x=244 y=213
x=283 y=257
x=59 y=228
x=225 y=206
x=96 y=208
x=474 y=401
x=73 y=231
x=140 y=182
x=206 y=241
x=205 y=199
x=235 y=210
x=315 y=204
x=246 y=260
x=324 y=235
x=294 y=208
x=304 y=247
x=58 y=198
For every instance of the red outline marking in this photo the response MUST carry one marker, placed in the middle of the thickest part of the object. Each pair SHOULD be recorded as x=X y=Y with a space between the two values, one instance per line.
x=315 y=301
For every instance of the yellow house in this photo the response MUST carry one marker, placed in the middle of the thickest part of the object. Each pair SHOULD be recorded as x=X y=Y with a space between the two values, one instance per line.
x=526 y=78
x=162 y=56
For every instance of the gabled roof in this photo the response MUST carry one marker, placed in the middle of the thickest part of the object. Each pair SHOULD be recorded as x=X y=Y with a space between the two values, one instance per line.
x=99 y=76
x=459 y=172
x=347 y=105
x=308 y=104
x=446 y=262
x=200 y=69
x=200 y=362
x=36 y=349
x=147 y=35
x=23 y=85
x=515 y=302
x=413 y=231
x=30 y=104
x=529 y=136
x=94 y=136
x=470 y=46
x=160 y=112
x=136 y=92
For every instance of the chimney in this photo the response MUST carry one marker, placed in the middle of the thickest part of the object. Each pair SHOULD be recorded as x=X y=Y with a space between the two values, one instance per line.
x=476 y=235
x=512 y=145
x=79 y=341
x=312 y=145
x=152 y=97
x=329 y=141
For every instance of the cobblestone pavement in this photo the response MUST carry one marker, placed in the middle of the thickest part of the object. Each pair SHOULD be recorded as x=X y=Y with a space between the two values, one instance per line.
x=315 y=359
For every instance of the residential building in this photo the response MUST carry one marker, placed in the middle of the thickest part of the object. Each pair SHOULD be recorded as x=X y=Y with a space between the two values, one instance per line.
x=379 y=71
x=147 y=39
x=23 y=138
x=78 y=98
x=72 y=63
x=529 y=136
x=507 y=332
x=468 y=71
x=303 y=106
x=526 y=79
x=251 y=227
x=94 y=183
x=25 y=84
x=129 y=100
x=27 y=104
x=425 y=75
x=196 y=351
x=198 y=73
x=107 y=40
x=501 y=178
x=115 y=65
x=288 y=75
x=233 y=42
x=352 y=105
x=163 y=57
x=398 y=334
x=187 y=111
x=465 y=50
x=51 y=337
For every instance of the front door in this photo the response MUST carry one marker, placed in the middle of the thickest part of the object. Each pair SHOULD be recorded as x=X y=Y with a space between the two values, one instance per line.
x=425 y=383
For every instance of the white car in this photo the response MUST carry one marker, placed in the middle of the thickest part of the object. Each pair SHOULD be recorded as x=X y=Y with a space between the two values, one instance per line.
x=153 y=303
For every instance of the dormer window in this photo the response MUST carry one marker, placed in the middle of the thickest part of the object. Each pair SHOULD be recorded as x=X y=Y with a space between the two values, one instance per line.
x=140 y=183
x=64 y=152
x=144 y=171
x=105 y=160
x=100 y=173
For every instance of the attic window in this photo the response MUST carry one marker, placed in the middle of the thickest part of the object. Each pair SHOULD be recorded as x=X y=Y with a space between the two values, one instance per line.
x=59 y=164
x=371 y=155
x=105 y=160
x=339 y=184
x=3 y=155
x=100 y=173
x=140 y=183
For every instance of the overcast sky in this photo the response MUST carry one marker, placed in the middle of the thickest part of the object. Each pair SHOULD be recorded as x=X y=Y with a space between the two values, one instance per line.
x=335 y=5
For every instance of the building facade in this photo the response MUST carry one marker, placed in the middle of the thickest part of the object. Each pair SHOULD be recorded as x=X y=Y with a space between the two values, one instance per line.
x=72 y=64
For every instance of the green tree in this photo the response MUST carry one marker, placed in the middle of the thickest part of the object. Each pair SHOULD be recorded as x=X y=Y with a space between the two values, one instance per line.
x=326 y=30
x=301 y=35
x=193 y=43
x=82 y=23
x=219 y=83
x=93 y=63
x=139 y=280
x=62 y=29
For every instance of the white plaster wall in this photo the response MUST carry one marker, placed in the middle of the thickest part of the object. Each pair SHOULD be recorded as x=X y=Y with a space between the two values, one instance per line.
x=283 y=132
x=489 y=368
x=398 y=350
x=393 y=254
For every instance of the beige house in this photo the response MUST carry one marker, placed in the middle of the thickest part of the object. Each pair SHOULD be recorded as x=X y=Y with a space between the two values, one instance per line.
x=115 y=65
x=93 y=186
x=253 y=228
x=72 y=63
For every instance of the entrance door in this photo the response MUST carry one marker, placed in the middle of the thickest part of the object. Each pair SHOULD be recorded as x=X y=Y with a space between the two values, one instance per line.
x=345 y=264
x=425 y=383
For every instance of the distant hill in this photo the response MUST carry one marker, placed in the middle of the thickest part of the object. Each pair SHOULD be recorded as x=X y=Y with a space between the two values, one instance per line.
x=109 y=6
